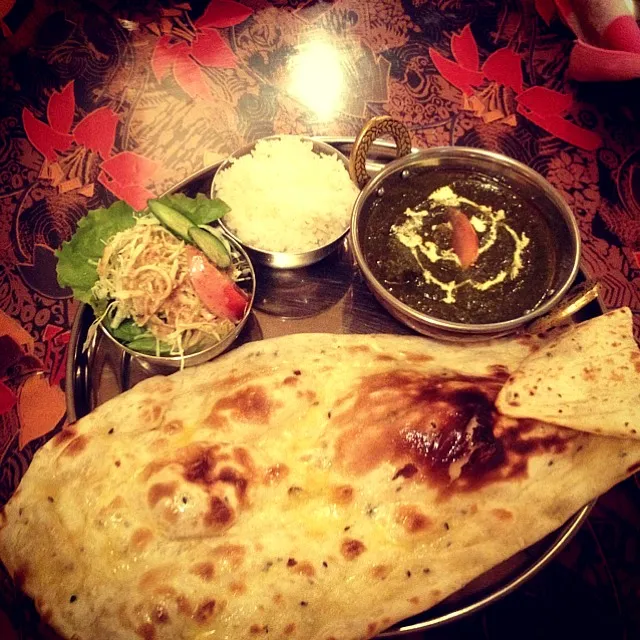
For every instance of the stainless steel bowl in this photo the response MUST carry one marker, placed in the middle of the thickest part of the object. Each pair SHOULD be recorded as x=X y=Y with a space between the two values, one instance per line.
x=524 y=180
x=162 y=364
x=277 y=259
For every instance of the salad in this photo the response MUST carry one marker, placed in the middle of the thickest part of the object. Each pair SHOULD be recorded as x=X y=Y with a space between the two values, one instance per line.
x=163 y=281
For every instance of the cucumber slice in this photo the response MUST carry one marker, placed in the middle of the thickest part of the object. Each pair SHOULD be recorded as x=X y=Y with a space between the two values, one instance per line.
x=170 y=218
x=211 y=247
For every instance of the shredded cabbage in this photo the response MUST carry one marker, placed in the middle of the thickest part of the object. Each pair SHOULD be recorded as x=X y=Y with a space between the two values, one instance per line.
x=143 y=275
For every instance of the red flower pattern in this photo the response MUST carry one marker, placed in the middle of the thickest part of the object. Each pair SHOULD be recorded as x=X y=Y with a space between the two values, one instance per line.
x=463 y=74
x=185 y=59
x=96 y=131
x=544 y=107
x=27 y=383
x=124 y=174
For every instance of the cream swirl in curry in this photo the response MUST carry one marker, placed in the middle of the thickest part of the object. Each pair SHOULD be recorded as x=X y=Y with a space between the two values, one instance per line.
x=486 y=223
x=471 y=251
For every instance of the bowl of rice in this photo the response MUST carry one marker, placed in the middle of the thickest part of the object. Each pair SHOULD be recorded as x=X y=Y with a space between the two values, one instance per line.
x=291 y=199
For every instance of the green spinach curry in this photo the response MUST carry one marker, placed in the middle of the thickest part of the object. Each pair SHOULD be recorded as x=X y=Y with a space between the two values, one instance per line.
x=461 y=247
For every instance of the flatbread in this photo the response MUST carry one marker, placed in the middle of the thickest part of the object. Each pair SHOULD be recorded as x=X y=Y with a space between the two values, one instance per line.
x=587 y=379
x=312 y=486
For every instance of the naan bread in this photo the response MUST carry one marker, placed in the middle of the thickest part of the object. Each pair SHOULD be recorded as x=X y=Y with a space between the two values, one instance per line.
x=312 y=486
x=587 y=379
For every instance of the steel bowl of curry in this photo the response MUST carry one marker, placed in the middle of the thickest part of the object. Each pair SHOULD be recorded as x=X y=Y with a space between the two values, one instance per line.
x=464 y=244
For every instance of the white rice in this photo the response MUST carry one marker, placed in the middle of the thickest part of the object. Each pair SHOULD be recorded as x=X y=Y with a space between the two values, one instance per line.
x=284 y=197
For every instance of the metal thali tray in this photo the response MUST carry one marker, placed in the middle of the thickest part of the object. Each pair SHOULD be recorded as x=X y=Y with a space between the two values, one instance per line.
x=330 y=297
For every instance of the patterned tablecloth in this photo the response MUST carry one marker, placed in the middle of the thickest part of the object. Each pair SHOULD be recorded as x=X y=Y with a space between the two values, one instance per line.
x=122 y=99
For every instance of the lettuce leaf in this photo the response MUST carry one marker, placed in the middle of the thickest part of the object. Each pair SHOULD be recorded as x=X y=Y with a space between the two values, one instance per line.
x=127 y=331
x=78 y=258
x=146 y=344
x=137 y=338
x=199 y=210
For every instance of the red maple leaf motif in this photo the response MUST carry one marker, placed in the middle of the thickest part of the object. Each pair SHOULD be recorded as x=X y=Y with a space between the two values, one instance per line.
x=546 y=9
x=465 y=49
x=464 y=73
x=96 y=131
x=544 y=107
x=504 y=67
x=123 y=174
x=60 y=109
x=185 y=60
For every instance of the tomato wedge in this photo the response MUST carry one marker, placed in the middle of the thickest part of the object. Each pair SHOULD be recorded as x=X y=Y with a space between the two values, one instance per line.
x=218 y=293
x=465 y=239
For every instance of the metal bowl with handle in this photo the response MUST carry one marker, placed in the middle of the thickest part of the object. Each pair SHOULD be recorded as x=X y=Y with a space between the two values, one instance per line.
x=408 y=167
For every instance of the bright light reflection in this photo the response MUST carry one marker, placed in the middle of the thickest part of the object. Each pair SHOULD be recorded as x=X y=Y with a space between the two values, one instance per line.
x=316 y=77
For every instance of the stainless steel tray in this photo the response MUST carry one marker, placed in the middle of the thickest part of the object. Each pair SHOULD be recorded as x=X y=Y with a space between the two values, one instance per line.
x=330 y=297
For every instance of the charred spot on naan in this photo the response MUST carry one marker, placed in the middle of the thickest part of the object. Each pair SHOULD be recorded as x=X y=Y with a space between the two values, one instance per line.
x=141 y=539
x=358 y=348
x=161 y=490
x=160 y=614
x=258 y=629
x=231 y=476
x=205 y=611
x=207 y=465
x=231 y=555
x=220 y=514
x=342 y=494
x=76 y=446
x=222 y=475
x=252 y=404
x=204 y=570
x=418 y=357
x=172 y=427
x=276 y=473
x=66 y=434
x=237 y=588
x=158 y=580
x=304 y=568
x=157 y=386
x=407 y=471
x=111 y=511
x=152 y=414
x=499 y=372
x=412 y=519
x=146 y=631
x=161 y=603
x=635 y=359
x=352 y=548
x=443 y=430
x=381 y=571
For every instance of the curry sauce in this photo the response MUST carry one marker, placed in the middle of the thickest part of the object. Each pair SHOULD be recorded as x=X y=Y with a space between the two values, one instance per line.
x=409 y=247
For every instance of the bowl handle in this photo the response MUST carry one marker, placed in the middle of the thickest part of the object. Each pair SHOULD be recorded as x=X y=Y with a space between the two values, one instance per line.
x=578 y=298
x=372 y=130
